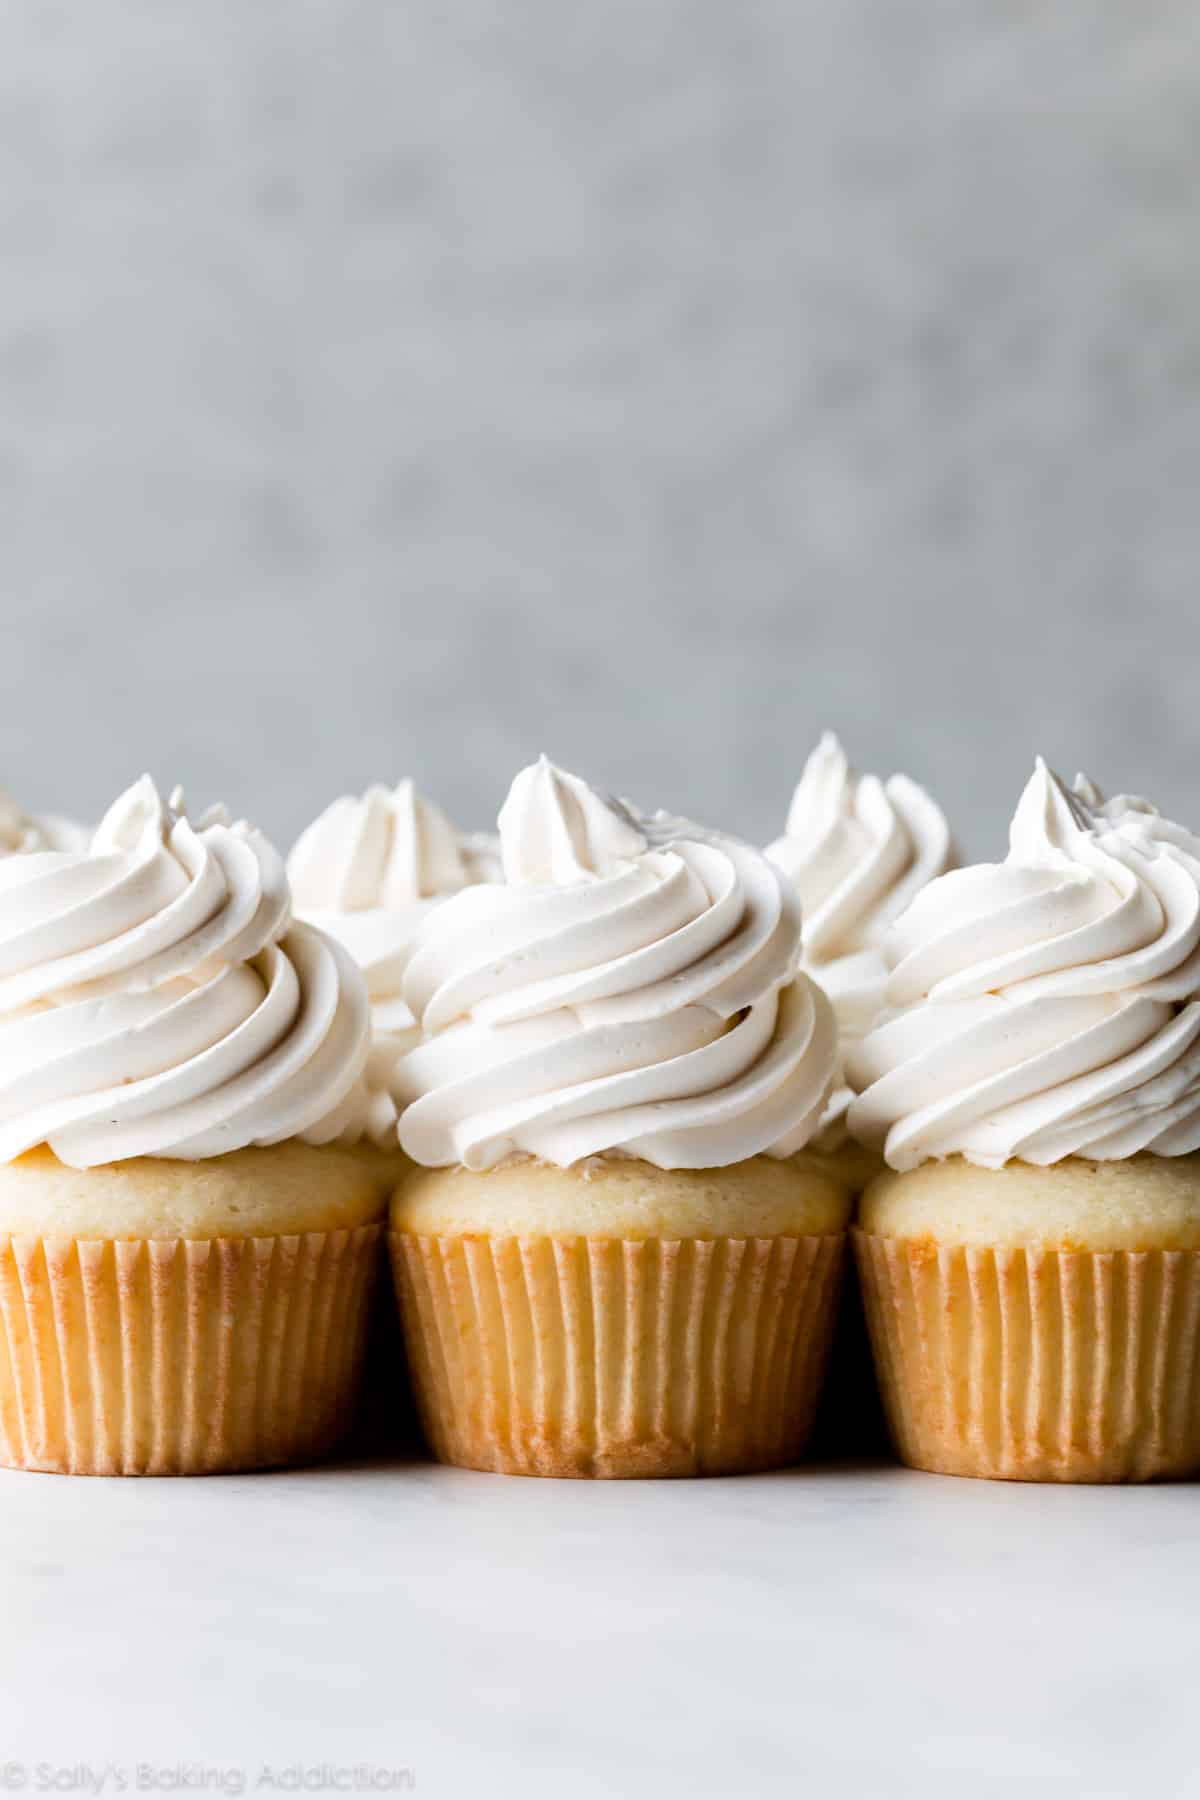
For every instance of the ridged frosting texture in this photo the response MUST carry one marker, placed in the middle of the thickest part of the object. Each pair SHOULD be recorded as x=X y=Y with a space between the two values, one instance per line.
x=1047 y=1005
x=157 y=999
x=632 y=988
x=858 y=850
x=369 y=870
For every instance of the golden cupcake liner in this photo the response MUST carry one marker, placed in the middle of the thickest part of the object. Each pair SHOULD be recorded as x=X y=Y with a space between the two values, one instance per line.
x=180 y=1356
x=1036 y=1365
x=590 y=1357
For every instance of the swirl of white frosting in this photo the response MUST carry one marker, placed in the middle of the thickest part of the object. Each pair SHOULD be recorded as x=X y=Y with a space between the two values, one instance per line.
x=20 y=832
x=368 y=871
x=60 y=833
x=1047 y=1004
x=858 y=850
x=156 y=998
x=632 y=989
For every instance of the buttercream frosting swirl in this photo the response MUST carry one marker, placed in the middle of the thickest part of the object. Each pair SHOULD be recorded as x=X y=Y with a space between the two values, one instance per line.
x=631 y=989
x=21 y=832
x=368 y=871
x=157 y=999
x=57 y=832
x=858 y=849
x=1046 y=1006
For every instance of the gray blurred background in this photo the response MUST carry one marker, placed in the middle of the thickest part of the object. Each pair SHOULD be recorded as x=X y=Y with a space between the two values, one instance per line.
x=406 y=388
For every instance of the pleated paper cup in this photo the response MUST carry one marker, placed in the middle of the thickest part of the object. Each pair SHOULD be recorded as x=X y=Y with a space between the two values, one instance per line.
x=180 y=1356
x=1036 y=1365
x=599 y=1357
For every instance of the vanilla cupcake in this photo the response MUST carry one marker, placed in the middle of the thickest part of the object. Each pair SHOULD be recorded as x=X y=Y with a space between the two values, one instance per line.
x=186 y=1247
x=858 y=850
x=369 y=870
x=1031 y=1261
x=610 y=1261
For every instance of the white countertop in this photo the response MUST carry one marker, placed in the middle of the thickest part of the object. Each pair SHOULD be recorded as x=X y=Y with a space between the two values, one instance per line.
x=858 y=1630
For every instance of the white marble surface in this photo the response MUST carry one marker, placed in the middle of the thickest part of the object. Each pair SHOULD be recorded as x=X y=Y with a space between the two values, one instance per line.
x=839 y=1630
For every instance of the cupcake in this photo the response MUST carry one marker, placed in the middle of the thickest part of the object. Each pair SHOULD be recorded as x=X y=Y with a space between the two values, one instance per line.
x=187 y=1246
x=609 y=1260
x=858 y=850
x=368 y=871
x=1031 y=1259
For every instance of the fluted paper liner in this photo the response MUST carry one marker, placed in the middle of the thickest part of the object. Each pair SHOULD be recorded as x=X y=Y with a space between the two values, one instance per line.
x=1036 y=1365
x=590 y=1357
x=175 y=1357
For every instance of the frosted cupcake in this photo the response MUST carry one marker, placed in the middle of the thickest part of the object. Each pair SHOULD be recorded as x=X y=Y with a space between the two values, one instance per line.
x=858 y=850
x=186 y=1250
x=1031 y=1261
x=609 y=1261
x=369 y=870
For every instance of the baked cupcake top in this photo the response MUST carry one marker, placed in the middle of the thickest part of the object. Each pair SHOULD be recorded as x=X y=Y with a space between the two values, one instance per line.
x=157 y=999
x=632 y=988
x=1046 y=1006
x=369 y=870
